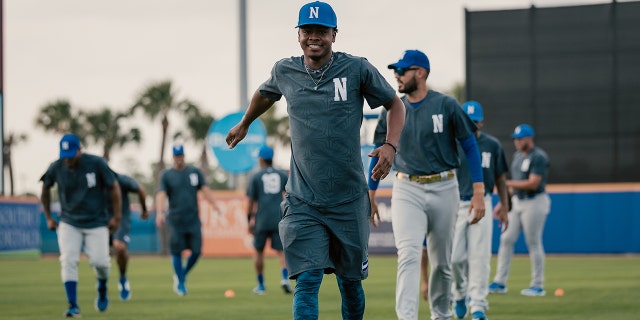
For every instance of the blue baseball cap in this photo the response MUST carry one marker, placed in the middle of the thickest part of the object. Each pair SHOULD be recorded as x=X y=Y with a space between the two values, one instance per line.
x=473 y=109
x=319 y=13
x=69 y=145
x=523 y=131
x=412 y=58
x=265 y=153
x=178 y=150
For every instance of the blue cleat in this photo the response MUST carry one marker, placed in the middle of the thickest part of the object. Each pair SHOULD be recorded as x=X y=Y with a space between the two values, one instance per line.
x=72 y=312
x=102 y=301
x=496 y=287
x=178 y=287
x=460 y=308
x=286 y=286
x=533 y=292
x=260 y=290
x=125 y=289
x=479 y=315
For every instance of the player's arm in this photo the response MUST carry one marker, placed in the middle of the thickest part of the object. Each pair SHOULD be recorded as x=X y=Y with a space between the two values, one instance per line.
x=501 y=211
x=386 y=152
x=257 y=107
x=530 y=184
x=116 y=202
x=142 y=198
x=373 y=186
x=251 y=214
x=161 y=209
x=45 y=199
x=470 y=147
x=208 y=195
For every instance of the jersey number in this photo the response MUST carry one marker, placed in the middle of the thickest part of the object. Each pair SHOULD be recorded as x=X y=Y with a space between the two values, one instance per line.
x=271 y=183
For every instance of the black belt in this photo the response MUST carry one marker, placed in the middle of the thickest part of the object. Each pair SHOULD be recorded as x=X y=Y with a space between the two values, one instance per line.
x=527 y=195
x=442 y=176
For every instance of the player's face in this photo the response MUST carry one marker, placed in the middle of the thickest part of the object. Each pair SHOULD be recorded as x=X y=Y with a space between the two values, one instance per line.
x=316 y=41
x=523 y=144
x=407 y=82
x=72 y=162
x=178 y=161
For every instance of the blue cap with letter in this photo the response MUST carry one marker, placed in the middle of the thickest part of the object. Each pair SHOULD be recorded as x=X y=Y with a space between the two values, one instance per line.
x=69 y=145
x=412 y=58
x=523 y=131
x=178 y=150
x=265 y=153
x=474 y=110
x=319 y=13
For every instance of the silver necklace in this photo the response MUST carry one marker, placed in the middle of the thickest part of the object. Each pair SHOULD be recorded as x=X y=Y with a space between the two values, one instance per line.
x=306 y=68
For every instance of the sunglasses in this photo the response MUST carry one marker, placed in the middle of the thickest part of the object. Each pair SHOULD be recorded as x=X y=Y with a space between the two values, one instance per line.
x=401 y=71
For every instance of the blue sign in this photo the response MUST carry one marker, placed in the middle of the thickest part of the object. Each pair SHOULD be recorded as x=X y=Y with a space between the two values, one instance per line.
x=19 y=226
x=244 y=156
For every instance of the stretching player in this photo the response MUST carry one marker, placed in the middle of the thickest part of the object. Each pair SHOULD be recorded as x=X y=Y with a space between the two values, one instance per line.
x=181 y=185
x=425 y=195
x=531 y=204
x=471 y=255
x=265 y=193
x=325 y=224
x=82 y=180
x=122 y=237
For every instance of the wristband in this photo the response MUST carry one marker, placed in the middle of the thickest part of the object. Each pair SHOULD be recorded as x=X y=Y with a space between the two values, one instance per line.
x=395 y=150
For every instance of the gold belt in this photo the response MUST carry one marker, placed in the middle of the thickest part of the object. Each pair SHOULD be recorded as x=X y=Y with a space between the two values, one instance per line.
x=442 y=176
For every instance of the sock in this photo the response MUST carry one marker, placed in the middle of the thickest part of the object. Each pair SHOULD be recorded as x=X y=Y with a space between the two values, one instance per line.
x=305 y=298
x=261 y=280
x=70 y=288
x=352 y=298
x=191 y=261
x=177 y=267
x=285 y=274
x=102 y=287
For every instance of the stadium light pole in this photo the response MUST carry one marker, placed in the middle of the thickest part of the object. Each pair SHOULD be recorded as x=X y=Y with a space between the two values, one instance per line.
x=2 y=146
x=244 y=102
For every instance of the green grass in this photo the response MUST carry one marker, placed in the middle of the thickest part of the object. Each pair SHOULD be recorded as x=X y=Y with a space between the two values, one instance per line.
x=596 y=287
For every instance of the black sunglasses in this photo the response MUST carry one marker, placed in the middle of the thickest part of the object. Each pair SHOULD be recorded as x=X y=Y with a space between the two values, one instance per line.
x=401 y=71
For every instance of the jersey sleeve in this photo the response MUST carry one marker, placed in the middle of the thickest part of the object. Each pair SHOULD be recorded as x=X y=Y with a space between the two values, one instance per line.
x=48 y=178
x=127 y=184
x=380 y=134
x=539 y=164
x=461 y=121
x=201 y=180
x=252 y=190
x=375 y=88
x=270 y=88
x=163 y=185
x=106 y=173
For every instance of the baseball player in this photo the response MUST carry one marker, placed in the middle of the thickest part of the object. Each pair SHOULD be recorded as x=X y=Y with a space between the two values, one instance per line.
x=265 y=193
x=471 y=255
x=425 y=195
x=530 y=206
x=82 y=180
x=325 y=224
x=181 y=185
x=122 y=237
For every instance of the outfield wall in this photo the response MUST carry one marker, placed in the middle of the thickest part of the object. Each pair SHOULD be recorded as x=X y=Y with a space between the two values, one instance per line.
x=584 y=219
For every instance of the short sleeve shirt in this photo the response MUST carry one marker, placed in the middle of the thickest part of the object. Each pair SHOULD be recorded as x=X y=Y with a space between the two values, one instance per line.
x=492 y=160
x=81 y=190
x=326 y=167
x=182 y=188
x=266 y=188
x=535 y=161
x=428 y=141
x=127 y=185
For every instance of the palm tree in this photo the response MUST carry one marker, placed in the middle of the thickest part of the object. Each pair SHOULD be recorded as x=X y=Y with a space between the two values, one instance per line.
x=157 y=101
x=104 y=127
x=11 y=140
x=198 y=124
x=59 y=117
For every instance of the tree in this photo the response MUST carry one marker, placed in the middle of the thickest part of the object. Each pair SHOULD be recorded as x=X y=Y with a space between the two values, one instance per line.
x=104 y=127
x=156 y=101
x=9 y=142
x=198 y=124
x=59 y=117
x=458 y=92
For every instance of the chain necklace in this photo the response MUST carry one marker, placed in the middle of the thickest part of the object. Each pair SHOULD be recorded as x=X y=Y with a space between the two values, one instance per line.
x=306 y=68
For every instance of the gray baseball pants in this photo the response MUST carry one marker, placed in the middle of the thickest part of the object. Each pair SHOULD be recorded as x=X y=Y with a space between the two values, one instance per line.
x=96 y=247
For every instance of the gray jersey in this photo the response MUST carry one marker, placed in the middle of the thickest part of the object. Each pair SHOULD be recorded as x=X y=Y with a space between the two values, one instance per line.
x=326 y=168
x=182 y=188
x=266 y=188
x=493 y=161
x=535 y=161
x=428 y=140
x=127 y=185
x=81 y=190
x=380 y=134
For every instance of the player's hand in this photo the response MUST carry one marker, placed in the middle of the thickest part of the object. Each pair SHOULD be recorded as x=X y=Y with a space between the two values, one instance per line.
x=144 y=215
x=252 y=226
x=476 y=208
x=159 y=219
x=52 y=224
x=385 y=156
x=236 y=134
x=375 y=214
x=502 y=214
x=113 y=225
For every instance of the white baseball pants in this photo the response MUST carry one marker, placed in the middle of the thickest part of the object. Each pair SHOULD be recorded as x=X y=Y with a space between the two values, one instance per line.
x=528 y=215
x=471 y=257
x=96 y=246
x=419 y=209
